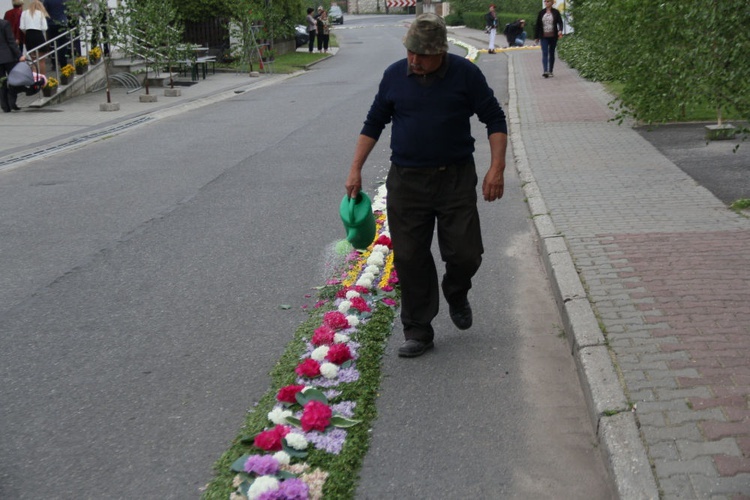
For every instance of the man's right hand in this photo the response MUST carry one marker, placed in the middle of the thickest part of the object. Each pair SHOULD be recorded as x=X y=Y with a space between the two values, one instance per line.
x=353 y=183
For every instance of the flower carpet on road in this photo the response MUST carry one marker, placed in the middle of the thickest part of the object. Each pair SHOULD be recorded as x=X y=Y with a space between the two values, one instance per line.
x=307 y=436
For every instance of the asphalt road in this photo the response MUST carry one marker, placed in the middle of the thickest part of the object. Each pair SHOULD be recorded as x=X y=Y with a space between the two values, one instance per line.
x=719 y=166
x=143 y=276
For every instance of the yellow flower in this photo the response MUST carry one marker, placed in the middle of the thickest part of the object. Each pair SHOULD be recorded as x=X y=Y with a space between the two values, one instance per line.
x=67 y=70
x=95 y=54
x=51 y=83
x=81 y=62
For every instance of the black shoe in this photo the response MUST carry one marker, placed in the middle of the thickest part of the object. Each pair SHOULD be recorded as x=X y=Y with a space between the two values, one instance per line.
x=413 y=348
x=15 y=108
x=461 y=316
x=545 y=74
x=6 y=110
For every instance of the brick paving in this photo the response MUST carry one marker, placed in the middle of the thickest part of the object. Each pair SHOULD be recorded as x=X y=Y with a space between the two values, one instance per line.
x=666 y=267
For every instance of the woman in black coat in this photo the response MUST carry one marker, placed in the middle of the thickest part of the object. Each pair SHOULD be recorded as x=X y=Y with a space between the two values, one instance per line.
x=549 y=27
x=10 y=54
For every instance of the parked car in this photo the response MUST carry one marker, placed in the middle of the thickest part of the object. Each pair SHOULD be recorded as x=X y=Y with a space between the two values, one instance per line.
x=336 y=15
x=300 y=36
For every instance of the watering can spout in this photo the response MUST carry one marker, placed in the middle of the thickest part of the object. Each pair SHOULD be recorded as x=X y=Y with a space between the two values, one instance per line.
x=359 y=221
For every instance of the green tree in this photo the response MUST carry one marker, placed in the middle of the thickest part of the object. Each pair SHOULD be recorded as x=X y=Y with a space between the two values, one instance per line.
x=262 y=22
x=155 y=33
x=667 y=55
x=95 y=24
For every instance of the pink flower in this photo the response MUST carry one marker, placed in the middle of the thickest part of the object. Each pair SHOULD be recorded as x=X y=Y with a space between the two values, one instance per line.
x=316 y=416
x=323 y=336
x=288 y=394
x=270 y=440
x=389 y=302
x=360 y=304
x=339 y=353
x=335 y=320
x=308 y=368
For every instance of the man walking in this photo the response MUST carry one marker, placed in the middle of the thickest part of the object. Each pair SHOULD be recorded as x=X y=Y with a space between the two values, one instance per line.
x=430 y=97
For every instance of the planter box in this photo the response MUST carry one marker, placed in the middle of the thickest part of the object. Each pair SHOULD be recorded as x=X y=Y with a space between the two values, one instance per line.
x=49 y=92
x=81 y=69
x=721 y=132
x=66 y=80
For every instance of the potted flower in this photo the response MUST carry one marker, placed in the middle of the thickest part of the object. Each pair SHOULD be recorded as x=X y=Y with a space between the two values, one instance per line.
x=66 y=74
x=82 y=65
x=50 y=88
x=95 y=55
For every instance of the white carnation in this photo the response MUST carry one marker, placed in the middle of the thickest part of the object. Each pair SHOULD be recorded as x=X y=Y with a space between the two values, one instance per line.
x=381 y=249
x=296 y=441
x=283 y=457
x=329 y=370
x=374 y=270
x=278 y=415
x=340 y=338
x=376 y=259
x=364 y=283
x=351 y=294
x=353 y=321
x=320 y=353
x=261 y=485
x=368 y=276
x=344 y=306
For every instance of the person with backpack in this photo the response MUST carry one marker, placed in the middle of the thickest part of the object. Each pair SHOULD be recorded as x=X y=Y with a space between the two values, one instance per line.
x=491 y=27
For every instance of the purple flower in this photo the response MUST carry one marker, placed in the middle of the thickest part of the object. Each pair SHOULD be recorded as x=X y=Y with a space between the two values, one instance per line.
x=331 y=441
x=346 y=375
x=345 y=408
x=289 y=489
x=261 y=465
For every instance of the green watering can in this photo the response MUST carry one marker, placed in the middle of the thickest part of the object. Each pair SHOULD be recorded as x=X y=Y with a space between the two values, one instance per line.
x=359 y=221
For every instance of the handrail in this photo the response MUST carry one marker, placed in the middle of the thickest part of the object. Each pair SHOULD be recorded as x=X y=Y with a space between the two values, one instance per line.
x=51 y=49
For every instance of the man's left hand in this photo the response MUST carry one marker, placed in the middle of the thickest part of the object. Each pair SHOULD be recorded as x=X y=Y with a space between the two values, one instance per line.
x=493 y=185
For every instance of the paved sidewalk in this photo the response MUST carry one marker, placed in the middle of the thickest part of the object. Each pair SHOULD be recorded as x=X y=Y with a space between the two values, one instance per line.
x=34 y=132
x=665 y=268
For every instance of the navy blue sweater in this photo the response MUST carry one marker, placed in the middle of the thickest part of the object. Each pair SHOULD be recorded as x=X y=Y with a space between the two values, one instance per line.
x=431 y=123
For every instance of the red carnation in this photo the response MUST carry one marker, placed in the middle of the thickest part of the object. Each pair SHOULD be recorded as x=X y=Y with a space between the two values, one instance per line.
x=270 y=440
x=335 y=320
x=384 y=240
x=339 y=353
x=360 y=304
x=323 y=336
x=316 y=416
x=308 y=368
x=288 y=394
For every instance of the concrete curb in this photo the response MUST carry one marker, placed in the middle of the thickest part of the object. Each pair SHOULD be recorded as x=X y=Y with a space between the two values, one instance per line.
x=616 y=427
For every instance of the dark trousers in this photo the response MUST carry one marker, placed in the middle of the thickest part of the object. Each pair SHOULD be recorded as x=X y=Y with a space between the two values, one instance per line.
x=548 y=53
x=61 y=58
x=7 y=94
x=417 y=198
x=311 y=44
x=323 y=42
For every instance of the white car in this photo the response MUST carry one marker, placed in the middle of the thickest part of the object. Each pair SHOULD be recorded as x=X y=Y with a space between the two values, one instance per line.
x=336 y=15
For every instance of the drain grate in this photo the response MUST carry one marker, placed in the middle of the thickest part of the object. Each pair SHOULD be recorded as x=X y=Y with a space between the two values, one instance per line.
x=75 y=141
